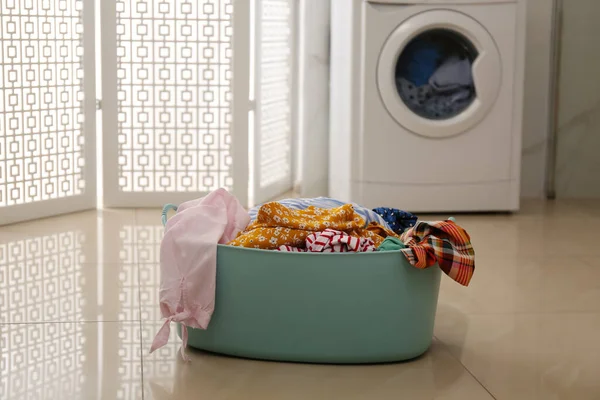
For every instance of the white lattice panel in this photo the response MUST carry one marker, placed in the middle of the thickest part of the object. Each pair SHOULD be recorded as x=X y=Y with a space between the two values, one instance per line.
x=275 y=61
x=174 y=95
x=42 y=126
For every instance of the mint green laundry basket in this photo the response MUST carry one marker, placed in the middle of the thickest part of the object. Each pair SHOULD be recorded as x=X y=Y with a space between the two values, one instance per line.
x=320 y=308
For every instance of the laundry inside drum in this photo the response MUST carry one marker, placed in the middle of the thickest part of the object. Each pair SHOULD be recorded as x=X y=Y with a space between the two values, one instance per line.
x=434 y=74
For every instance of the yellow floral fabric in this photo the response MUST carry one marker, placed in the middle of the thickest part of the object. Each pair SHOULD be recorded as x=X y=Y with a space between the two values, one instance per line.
x=277 y=225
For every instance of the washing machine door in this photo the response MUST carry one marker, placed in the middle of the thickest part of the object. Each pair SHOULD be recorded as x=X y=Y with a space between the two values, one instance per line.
x=439 y=73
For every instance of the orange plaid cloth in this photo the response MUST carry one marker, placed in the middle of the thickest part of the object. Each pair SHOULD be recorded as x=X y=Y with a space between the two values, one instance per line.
x=277 y=225
x=444 y=243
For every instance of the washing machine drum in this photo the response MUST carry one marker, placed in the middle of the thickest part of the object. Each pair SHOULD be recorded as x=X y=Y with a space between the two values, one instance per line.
x=439 y=73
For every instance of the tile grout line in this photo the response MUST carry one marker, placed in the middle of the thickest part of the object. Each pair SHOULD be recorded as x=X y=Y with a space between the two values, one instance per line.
x=465 y=367
x=530 y=313
x=139 y=287
x=84 y=321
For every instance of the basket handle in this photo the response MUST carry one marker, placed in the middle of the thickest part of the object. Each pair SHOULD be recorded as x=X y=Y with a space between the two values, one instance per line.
x=165 y=210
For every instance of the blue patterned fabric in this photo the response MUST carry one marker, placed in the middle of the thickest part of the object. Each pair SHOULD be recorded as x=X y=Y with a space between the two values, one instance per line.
x=398 y=220
x=419 y=60
x=326 y=202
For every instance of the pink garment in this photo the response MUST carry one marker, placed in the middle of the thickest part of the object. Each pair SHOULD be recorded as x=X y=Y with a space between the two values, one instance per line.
x=188 y=260
x=332 y=241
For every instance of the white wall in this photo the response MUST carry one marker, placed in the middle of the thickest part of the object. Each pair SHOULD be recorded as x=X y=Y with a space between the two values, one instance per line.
x=578 y=139
x=537 y=94
x=313 y=111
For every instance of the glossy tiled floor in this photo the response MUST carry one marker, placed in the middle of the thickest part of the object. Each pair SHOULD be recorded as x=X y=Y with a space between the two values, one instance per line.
x=78 y=310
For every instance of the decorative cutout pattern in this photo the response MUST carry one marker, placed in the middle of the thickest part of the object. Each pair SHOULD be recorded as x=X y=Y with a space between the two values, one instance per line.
x=275 y=103
x=174 y=95
x=41 y=100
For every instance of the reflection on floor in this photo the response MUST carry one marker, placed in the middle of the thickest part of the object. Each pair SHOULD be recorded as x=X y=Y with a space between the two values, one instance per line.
x=78 y=310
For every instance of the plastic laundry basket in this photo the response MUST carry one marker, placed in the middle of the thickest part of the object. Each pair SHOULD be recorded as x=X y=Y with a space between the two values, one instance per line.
x=321 y=308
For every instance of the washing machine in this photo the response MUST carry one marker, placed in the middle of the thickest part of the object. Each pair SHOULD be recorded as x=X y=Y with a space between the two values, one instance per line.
x=426 y=103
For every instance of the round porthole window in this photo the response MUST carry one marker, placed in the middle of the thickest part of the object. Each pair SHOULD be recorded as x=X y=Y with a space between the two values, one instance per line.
x=434 y=76
x=439 y=73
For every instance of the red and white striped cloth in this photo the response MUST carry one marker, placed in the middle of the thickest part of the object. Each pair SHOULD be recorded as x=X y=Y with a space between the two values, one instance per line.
x=332 y=241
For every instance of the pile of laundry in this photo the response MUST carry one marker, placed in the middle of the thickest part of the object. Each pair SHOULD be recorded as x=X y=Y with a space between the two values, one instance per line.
x=188 y=254
x=434 y=78
x=320 y=225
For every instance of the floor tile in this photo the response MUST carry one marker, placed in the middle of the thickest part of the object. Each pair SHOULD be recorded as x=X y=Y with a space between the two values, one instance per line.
x=59 y=289
x=532 y=237
x=149 y=231
x=527 y=356
x=436 y=375
x=149 y=292
x=527 y=284
x=70 y=361
x=150 y=216
x=119 y=240
x=90 y=236
x=72 y=268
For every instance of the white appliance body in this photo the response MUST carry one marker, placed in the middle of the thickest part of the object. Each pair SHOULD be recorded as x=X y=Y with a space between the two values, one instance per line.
x=382 y=153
